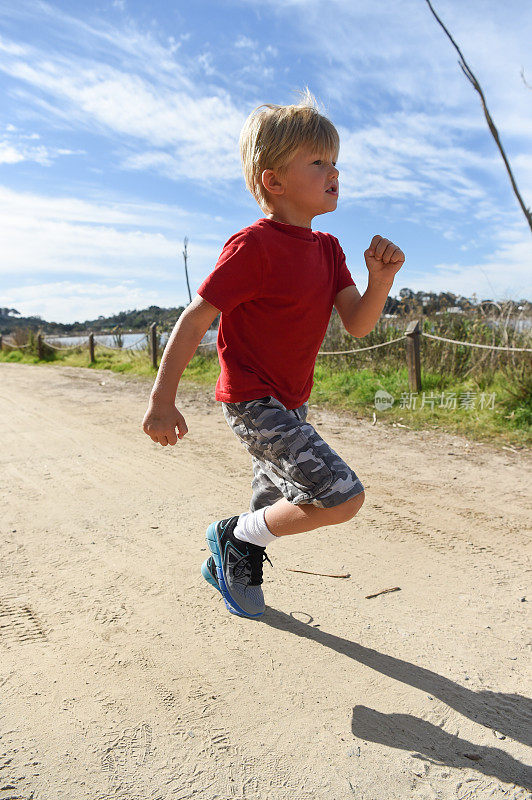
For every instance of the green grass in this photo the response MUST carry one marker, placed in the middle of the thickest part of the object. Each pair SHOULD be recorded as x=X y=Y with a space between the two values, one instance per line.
x=510 y=419
x=127 y=361
x=353 y=390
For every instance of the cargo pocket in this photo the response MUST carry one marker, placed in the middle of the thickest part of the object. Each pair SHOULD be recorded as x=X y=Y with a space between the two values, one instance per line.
x=237 y=422
x=296 y=458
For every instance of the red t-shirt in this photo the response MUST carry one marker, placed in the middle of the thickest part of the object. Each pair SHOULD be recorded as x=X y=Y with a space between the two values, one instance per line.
x=275 y=286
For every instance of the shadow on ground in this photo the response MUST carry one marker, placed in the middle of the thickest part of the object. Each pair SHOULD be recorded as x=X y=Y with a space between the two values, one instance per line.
x=508 y=714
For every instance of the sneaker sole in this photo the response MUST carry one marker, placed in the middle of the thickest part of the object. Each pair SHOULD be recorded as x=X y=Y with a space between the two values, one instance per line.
x=208 y=577
x=214 y=546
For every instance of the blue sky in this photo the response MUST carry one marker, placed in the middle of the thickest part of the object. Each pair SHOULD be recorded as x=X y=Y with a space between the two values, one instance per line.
x=119 y=127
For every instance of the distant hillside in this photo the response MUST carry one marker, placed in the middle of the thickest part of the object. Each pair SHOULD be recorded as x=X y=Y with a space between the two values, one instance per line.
x=407 y=302
x=165 y=318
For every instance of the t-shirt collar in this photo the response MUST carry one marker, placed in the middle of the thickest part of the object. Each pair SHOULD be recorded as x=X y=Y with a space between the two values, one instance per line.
x=291 y=230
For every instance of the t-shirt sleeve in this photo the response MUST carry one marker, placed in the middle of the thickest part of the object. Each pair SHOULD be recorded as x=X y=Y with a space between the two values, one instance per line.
x=343 y=276
x=237 y=275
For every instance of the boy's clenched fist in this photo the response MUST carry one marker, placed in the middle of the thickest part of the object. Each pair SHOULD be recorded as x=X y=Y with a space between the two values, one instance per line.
x=383 y=259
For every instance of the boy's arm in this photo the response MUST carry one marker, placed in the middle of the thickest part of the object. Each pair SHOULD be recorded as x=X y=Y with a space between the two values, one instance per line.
x=360 y=313
x=162 y=416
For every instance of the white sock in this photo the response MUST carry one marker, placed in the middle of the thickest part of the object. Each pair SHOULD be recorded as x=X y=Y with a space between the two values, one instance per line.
x=251 y=527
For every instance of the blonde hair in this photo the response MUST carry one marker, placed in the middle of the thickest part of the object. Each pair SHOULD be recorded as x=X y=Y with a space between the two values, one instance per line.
x=271 y=137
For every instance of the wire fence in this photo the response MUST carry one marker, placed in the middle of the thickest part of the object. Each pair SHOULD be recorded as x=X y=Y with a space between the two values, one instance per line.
x=412 y=335
x=134 y=346
x=61 y=347
x=360 y=349
x=476 y=344
x=83 y=343
x=15 y=346
x=429 y=336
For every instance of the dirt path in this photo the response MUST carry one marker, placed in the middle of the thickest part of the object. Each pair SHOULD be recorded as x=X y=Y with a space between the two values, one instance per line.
x=123 y=675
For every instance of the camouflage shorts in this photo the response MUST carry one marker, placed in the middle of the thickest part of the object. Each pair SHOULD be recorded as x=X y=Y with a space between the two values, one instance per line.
x=289 y=458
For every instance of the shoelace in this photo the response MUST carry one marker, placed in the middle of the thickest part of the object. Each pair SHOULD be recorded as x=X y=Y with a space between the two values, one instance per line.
x=252 y=566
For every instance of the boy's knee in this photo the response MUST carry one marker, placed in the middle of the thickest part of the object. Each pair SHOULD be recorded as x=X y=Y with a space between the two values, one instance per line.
x=347 y=510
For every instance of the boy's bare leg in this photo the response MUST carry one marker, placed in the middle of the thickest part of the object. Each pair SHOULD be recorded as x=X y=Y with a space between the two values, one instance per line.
x=284 y=518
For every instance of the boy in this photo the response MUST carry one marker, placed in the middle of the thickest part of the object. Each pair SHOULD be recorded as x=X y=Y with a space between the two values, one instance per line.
x=275 y=284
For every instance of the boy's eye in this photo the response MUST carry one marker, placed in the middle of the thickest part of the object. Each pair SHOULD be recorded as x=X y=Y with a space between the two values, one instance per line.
x=319 y=161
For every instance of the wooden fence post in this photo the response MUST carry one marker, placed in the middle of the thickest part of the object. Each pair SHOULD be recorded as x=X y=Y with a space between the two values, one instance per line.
x=153 y=337
x=413 y=336
x=40 y=349
x=91 y=347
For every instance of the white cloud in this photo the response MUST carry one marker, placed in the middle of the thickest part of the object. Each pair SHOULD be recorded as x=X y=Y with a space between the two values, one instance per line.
x=69 y=258
x=12 y=48
x=15 y=147
x=206 y=62
x=245 y=41
x=68 y=301
x=257 y=59
x=150 y=99
x=401 y=49
x=504 y=275
x=118 y=212
x=398 y=158
x=9 y=154
x=63 y=236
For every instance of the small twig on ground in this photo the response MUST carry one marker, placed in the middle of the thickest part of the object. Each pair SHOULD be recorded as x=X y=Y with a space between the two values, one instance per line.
x=383 y=591
x=325 y=574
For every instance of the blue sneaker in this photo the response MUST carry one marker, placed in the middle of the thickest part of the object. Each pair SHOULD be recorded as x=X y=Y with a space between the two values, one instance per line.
x=238 y=569
x=208 y=570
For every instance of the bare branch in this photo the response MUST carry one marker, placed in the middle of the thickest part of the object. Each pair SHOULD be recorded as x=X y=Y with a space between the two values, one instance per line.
x=185 y=257
x=494 y=132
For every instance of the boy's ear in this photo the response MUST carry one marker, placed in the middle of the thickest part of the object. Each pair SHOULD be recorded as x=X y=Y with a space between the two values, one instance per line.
x=271 y=182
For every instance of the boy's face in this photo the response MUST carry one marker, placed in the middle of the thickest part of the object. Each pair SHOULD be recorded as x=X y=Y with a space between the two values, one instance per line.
x=309 y=185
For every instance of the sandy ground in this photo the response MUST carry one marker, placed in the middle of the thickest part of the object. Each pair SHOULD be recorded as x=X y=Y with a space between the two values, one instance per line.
x=123 y=675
